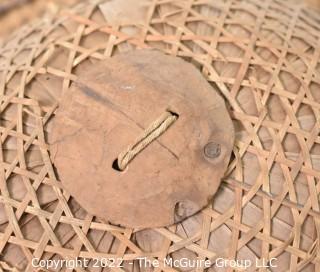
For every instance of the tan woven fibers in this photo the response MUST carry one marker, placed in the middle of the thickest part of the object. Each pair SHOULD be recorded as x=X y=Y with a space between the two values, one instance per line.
x=16 y=13
x=262 y=55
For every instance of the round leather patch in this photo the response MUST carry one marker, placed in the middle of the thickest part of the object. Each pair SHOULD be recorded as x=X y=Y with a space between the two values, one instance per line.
x=142 y=140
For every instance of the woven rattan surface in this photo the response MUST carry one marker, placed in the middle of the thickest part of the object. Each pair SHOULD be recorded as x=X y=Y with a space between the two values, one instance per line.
x=263 y=56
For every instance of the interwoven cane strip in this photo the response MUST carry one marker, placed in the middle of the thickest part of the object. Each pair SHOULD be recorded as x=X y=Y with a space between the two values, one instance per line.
x=262 y=56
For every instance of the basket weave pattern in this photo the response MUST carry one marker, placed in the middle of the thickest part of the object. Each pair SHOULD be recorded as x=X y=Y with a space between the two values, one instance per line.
x=262 y=56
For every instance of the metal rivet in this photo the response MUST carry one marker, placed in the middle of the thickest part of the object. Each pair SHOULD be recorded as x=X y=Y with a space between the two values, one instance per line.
x=212 y=150
x=184 y=209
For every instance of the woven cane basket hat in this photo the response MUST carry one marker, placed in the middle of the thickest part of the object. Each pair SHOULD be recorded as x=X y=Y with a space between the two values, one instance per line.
x=261 y=57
